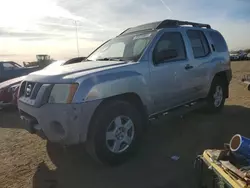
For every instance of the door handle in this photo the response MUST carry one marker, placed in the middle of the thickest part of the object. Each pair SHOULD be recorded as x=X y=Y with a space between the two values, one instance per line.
x=187 y=67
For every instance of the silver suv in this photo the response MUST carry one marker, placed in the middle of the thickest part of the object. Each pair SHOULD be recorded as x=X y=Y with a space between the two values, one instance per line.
x=148 y=71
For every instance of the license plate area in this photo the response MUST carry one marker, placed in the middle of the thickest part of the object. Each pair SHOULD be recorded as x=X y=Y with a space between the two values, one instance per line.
x=29 y=123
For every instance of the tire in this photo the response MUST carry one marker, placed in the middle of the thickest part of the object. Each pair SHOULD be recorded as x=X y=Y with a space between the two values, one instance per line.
x=217 y=95
x=109 y=121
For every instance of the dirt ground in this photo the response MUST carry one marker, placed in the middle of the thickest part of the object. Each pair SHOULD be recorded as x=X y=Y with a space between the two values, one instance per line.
x=24 y=161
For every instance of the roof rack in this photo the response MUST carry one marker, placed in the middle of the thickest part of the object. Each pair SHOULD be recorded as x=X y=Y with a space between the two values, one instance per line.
x=144 y=27
x=124 y=31
x=164 y=24
x=171 y=23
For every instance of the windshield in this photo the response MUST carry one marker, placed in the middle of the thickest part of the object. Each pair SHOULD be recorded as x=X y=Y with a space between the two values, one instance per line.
x=17 y=65
x=123 y=48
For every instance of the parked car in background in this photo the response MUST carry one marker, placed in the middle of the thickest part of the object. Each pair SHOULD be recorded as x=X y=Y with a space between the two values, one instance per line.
x=146 y=72
x=248 y=56
x=242 y=55
x=8 y=92
x=9 y=89
x=10 y=69
x=234 y=57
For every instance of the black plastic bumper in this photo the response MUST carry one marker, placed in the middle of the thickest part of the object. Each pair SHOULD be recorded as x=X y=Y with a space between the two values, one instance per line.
x=29 y=124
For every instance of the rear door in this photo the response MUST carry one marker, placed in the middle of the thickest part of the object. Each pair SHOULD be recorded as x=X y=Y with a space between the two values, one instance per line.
x=200 y=59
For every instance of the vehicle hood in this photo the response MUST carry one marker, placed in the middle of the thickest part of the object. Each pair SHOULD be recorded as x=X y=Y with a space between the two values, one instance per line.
x=66 y=73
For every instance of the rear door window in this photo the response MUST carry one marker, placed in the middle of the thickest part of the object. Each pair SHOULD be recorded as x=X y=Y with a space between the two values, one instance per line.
x=218 y=42
x=199 y=43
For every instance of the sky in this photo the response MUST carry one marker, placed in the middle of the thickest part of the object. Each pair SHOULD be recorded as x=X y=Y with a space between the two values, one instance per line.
x=30 y=27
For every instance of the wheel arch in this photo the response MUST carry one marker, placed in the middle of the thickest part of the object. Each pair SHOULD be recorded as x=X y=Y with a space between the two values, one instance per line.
x=131 y=97
x=223 y=76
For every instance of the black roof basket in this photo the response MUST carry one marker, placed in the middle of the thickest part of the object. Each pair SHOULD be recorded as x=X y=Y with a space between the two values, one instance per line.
x=176 y=23
x=164 y=24
x=144 y=27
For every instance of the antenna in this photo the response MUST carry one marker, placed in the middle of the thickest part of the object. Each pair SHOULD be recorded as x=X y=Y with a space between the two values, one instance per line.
x=77 y=45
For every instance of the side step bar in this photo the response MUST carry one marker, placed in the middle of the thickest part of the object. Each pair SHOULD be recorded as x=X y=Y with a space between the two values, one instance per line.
x=181 y=110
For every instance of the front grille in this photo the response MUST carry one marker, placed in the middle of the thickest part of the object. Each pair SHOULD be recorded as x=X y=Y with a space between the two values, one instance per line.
x=34 y=94
x=35 y=90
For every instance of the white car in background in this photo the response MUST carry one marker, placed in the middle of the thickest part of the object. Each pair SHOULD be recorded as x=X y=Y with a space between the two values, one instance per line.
x=243 y=55
x=234 y=56
x=9 y=89
x=248 y=56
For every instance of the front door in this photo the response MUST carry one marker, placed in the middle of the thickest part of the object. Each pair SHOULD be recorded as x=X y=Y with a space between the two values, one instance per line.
x=170 y=80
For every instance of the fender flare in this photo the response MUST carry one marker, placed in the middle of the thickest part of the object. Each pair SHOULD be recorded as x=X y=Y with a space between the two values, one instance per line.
x=103 y=86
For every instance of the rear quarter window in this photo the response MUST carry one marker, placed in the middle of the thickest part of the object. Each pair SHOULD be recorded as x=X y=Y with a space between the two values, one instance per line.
x=218 y=42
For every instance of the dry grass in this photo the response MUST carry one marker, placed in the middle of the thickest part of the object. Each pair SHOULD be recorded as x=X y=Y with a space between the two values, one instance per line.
x=24 y=161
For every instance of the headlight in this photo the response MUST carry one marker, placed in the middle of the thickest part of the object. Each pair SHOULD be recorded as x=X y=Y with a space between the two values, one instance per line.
x=62 y=93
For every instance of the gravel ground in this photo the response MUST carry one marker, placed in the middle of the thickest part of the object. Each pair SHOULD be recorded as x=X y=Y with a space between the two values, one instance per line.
x=24 y=161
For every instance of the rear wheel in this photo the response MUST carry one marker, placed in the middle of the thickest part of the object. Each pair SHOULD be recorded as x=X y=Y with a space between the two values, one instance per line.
x=216 y=97
x=115 y=132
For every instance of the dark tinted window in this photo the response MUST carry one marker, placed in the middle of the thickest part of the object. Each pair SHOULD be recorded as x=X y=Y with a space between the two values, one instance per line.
x=199 y=43
x=8 y=66
x=171 y=41
x=218 y=42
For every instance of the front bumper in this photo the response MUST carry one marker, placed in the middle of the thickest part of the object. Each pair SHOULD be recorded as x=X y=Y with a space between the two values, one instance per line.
x=62 y=123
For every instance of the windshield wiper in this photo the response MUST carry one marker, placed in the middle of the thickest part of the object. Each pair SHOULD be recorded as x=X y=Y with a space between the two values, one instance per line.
x=110 y=59
x=103 y=59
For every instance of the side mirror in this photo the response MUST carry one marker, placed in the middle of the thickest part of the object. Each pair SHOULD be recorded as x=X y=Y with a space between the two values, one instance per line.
x=165 y=55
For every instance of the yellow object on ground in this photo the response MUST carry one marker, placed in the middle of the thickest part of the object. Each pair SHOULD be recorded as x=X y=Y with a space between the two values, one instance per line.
x=225 y=176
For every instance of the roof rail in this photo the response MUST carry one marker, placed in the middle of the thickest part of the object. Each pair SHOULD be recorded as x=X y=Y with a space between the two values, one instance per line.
x=176 y=23
x=123 y=32
x=163 y=24
x=144 y=27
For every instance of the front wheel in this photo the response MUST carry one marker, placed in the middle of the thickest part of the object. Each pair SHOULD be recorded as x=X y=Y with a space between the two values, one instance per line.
x=115 y=132
x=216 y=97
